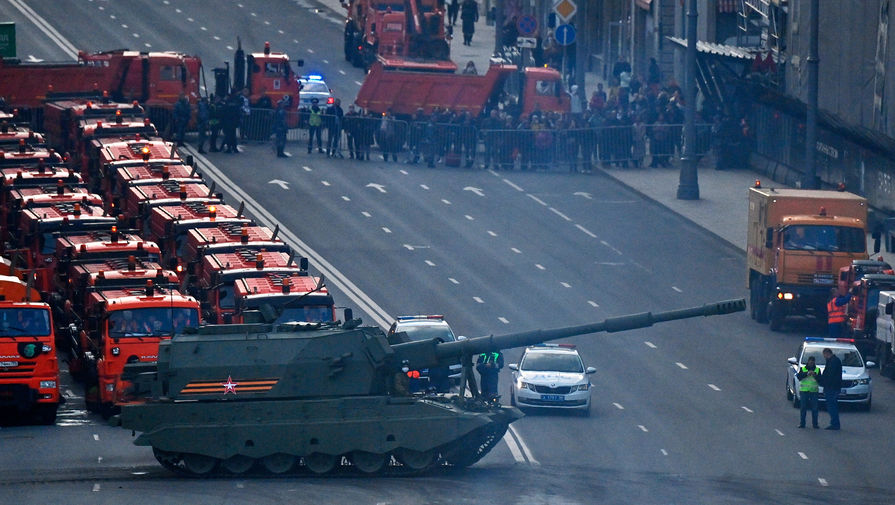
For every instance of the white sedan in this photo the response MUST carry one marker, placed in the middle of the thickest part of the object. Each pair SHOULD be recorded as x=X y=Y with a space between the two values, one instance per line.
x=551 y=376
x=856 y=383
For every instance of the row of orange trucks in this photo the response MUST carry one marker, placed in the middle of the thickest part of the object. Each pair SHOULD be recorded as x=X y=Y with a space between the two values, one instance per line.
x=117 y=245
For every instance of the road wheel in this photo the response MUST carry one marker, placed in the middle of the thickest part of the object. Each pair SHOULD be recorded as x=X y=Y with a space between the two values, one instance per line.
x=46 y=413
x=869 y=403
x=320 y=463
x=368 y=462
x=199 y=464
x=415 y=460
x=278 y=463
x=512 y=398
x=238 y=464
x=789 y=394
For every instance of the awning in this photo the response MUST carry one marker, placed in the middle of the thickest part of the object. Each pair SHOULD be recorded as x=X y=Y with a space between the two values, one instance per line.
x=744 y=53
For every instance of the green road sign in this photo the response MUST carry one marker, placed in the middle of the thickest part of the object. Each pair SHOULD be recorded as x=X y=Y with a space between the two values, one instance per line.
x=7 y=39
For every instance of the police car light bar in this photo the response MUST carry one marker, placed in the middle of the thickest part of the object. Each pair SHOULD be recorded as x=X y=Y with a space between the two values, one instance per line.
x=821 y=339
x=565 y=346
x=411 y=318
x=315 y=77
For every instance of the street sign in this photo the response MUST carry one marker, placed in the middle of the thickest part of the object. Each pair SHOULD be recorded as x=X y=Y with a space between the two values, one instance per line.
x=565 y=35
x=7 y=40
x=527 y=26
x=526 y=42
x=565 y=9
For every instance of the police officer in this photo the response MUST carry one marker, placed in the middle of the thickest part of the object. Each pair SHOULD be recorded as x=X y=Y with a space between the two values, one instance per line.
x=808 y=388
x=488 y=366
x=315 y=125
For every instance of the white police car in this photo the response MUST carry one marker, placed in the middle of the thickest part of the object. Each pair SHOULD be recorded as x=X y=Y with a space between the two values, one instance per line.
x=313 y=86
x=856 y=384
x=424 y=327
x=551 y=376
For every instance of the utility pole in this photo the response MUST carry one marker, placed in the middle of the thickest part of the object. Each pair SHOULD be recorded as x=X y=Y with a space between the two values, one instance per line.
x=810 y=181
x=688 y=188
x=498 y=27
x=581 y=51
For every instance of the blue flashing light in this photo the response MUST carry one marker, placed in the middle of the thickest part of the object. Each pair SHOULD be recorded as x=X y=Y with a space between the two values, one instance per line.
x=315 y=77
x=821 y=339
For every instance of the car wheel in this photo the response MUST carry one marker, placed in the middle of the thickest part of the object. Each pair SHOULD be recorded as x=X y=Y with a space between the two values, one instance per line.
x=789 y=394
x=795 y=401
x=585 y=412
x=513 y=398
x=867 y=405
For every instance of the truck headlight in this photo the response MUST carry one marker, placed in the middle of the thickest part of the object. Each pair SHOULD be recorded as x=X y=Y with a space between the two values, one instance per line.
x=47 y=384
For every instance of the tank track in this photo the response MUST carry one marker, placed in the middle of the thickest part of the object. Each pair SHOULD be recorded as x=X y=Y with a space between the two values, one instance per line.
x=460 y=453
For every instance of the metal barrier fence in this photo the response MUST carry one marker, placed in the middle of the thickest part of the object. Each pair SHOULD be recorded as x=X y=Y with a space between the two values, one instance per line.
x=465 y=145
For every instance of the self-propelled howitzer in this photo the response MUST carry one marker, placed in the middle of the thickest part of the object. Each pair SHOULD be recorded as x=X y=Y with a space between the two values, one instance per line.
x=321 y=396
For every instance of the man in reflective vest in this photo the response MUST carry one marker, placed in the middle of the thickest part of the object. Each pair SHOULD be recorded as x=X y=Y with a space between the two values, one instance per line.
x=836 y=313
x=488 y=366
x=808 y=387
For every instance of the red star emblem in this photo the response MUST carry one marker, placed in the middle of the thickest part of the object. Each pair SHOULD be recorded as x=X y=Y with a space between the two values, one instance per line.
x=229 y=386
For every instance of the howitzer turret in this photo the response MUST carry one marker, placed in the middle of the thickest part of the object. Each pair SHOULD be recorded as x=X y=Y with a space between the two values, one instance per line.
x=237 y=397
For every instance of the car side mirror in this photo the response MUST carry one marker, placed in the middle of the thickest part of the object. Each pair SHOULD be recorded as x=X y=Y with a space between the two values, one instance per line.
x=590 y=370
x=870 y=364
x=512 y=366
x=793 y=361
x=461 y=338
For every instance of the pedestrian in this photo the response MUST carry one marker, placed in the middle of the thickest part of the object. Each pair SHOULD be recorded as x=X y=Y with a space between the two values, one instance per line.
x=469 y=14
x=203 y=115
x=229 y=123
x=245 y=110
x=808 y=387
x=351 y=125
x=315 y=125
x=334 y=115
x=214 y=122
x=452 y=10
x=182 y=113
x=653 y=73
x=488 y=365
x=576 y=100
x=279 y=126
x=831 y=380
x=387 y=136
x=836 y=313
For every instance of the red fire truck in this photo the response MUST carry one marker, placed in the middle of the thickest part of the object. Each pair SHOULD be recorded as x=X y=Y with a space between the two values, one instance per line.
x=64 y=120
x=123 y=174
x=104 y=153
x=225 y=238
x=169 y=224
x=41 y=196
x=140 y=199
x=282 y=298
x=29 y=368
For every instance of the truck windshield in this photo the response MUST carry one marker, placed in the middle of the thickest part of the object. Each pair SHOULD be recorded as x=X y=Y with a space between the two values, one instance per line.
x=20 y=321
x=308 y=313
x=155 y=321
x=824 y=238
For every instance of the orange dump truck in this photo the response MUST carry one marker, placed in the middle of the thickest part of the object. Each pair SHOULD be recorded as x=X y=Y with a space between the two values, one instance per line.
x=797 y=242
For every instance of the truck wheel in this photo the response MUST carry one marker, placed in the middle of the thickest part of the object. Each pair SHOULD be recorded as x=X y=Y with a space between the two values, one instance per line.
x=757 y=302
x=775 y=317
x=789 y=394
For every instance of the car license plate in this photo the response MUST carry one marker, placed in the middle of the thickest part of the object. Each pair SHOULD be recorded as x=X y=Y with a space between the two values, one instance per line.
x=7 y=364
x=553 y=398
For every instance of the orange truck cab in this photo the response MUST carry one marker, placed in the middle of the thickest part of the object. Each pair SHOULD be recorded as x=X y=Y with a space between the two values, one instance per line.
x=170 y=224
x=26 y=157
x=797 y=242
x=140 y=199
x=105 y=154
x=125 y=326
x=42 y=196
x=281 y=298
x=64 y=119
x=11 y=137
x=98 y=246
x=221 y=270
x=119 y=273
x=228 y=238
x=29 y=368
x=123 y=174
x=864 y=279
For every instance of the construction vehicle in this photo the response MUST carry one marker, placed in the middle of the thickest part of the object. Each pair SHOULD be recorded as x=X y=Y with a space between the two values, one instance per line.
x=121 y=175
x=29 y=368
x=267 y=75
x=125 y=325
x=41 y=196
x=221 y=271
x=140 y=199
x=99 y=245
x=403 y=92
x=400 y=34
x=282 y=297
x=231 y=397
x=65 y=120
x=797 y=242
x=155 y=79
x=114 y=273
x=106 y=155
x=169 y=225
x=228 y=238
x=864 y=280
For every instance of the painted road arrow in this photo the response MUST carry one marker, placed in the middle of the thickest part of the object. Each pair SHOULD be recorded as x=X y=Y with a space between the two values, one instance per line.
x=380 y=187
x=477 y=191
x=282 y=184
x=582 y=193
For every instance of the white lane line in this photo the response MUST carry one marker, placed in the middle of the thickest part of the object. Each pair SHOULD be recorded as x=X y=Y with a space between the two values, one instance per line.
x=281 y=32
x=593 y=304
x=510 y=184
x=716 y=388
x=565 y=284
x=203 y=28
x=560 y=214
x=503 y=320
x=67 y=47
x=455 y=281
x=585 y=230
x=365 y=213
x=342 y=72
x=514 y=449
x=540 y=266
x=346 y=198
x=430 y=263
x=403 y=172
x=677 y=289
x=408 y=247
x=306 y=168
x=525 y=449
x=618 y=406
x=96 y=437
x=747 y=409
x=664 y=452
x=779 y=432
x=642 y=428
x=683 y=366
x=357 y=82
x=517 y=251
x=96 y=488
x=325 y=183
x=478 y=300
x=803 y=455
x=325 y=61
x=424 y=187
x=650 y=344
x=823 y=482
x=469 y=217
x=386 y=229
x=533 y=197
x=607 y=244
x=492 y=233
x=216 y=37
x=446 y=202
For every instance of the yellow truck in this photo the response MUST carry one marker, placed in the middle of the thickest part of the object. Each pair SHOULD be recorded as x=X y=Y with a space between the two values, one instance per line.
x=797 y=240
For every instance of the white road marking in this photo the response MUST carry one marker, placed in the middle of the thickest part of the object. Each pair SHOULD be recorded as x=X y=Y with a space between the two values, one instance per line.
x=517 y=188
x=357 y=82
x=779 y=432
x=229 y=48
x=69 y=393
x=446 y=202
x=747 y=409
x=217 y=38
x=650 y=344
x=533 y=197
x=430 y=263
x=408 y=247
x=96 y=488
x=455 y=281
x=642 y=428
x=470 y=218
x=477 y=191
x=365 y=214
x=136 y=35
x=716 y=388
x=560 y=214
x=386 y=229
x=281 y=32
x=619 y=406
x=306 y=168
x=803 y=455
x=664 y=452
x=203 y=28
x=503 y=320
x=540 y=266
x=677 y=289
x=525 y=449
x=342 y=72
x=514 y=448
x=240 y=485
x=325 y=183
x=326 y=61
x=565 y=284
x=823 y=482
x=607 y=244
x=96 y=436
x=424 y=187
x=683 y=366
x=492 y=233
x=593 y=304
x=310 y=50
x=403 y=172
x=582 y=193
x=585 y=230
x=378 y=187
x=346 y=198
x=517 y=251
x=478 y=300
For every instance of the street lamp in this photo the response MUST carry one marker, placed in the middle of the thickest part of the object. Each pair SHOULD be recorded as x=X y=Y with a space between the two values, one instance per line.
x=688 y=187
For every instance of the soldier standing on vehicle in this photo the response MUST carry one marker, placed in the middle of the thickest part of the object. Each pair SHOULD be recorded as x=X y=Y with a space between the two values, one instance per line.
x=488 y=366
